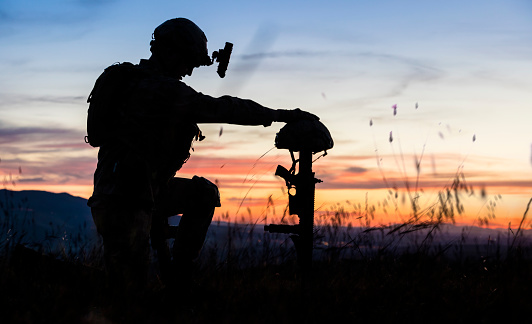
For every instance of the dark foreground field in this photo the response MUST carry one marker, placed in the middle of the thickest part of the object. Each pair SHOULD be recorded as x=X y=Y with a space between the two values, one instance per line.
x=412 y=287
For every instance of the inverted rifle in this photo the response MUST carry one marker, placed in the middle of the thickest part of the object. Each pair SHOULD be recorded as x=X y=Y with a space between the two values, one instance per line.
x=306 y=137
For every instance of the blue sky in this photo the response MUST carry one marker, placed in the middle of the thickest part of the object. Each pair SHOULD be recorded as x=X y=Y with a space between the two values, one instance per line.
x=466 y=64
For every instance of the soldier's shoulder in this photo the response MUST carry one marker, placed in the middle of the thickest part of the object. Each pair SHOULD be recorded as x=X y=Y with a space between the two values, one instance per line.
x=121 y=67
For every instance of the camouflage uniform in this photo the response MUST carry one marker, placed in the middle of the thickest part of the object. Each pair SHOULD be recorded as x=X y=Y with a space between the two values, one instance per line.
x=134 y=179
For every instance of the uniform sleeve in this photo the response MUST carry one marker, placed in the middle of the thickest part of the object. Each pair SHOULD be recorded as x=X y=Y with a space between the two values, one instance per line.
x=201 y=108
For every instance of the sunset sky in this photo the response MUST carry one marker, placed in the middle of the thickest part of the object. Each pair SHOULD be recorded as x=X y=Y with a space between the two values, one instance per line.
x=459 y=73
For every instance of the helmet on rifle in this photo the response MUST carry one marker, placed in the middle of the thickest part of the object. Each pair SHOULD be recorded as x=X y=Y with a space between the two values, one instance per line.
x=183 y=37
x=304 y=135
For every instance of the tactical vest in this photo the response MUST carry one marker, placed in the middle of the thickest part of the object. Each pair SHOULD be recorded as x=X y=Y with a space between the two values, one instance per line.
x=108 y=119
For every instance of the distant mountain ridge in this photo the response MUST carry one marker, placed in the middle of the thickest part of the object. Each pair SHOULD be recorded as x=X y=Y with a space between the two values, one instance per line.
x=35 y=216
x=46 y=207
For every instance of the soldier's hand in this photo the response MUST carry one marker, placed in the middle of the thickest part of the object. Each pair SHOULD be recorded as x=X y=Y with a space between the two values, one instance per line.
x=292 y=115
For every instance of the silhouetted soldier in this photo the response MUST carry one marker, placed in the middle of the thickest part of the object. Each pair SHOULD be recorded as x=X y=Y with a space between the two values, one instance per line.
x=144 y=119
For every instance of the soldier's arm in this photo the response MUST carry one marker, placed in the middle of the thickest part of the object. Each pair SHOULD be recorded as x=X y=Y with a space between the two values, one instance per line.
x=202 y=108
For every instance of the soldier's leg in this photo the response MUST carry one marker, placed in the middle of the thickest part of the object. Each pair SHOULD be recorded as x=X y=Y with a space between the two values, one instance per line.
x=125 y=233
x=196 y=200
x=159 y=236
x=198 y=211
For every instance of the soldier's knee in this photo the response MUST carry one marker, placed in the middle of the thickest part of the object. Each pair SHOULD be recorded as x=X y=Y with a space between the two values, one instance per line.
x=206 y=192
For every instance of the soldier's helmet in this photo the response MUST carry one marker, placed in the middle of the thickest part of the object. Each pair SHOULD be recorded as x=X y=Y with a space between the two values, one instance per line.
x=185 y=38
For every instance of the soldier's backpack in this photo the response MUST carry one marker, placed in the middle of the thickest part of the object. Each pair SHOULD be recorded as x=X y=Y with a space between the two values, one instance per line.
x=106 y=102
